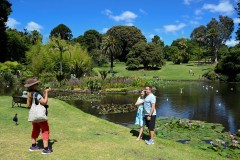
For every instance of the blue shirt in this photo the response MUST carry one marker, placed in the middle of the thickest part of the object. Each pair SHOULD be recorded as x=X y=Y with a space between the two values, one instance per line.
x=149 y=100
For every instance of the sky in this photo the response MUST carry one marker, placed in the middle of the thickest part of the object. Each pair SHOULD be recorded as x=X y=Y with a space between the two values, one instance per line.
x=169 y=19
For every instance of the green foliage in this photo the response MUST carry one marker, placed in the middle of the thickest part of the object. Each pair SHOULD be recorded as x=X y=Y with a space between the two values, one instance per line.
x=230 y=65
x=46 y=58
x=223 y=78
x=111 y=46
x=103 y=74
x=145 y=54
x=61 y=30
x=211 y=75
x=125 y=35
x=170 y=51
x=94 y=85
x=18 y=44
x=92 y=39
x=5 y=10
x=7 y=79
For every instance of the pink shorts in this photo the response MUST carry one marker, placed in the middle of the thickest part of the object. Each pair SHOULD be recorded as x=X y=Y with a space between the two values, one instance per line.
x=43 y=126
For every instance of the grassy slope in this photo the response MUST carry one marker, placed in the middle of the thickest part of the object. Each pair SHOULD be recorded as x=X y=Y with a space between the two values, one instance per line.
x=169 y=71
x=78 y=135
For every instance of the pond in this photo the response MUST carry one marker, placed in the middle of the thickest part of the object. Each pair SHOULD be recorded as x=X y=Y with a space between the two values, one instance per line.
x=206 y=101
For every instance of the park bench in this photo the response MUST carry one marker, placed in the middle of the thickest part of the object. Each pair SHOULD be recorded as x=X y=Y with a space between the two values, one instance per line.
x=18 y=100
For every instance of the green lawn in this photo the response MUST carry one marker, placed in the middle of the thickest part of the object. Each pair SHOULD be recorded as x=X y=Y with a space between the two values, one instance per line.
x=169 y=71
x=77 y=135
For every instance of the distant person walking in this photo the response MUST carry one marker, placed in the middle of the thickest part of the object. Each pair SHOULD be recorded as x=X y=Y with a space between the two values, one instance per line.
x=32 y=85
x=140 y=113
x=150 y=113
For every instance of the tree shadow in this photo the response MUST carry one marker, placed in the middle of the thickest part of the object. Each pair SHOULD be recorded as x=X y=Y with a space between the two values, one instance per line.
x=136 y=133
x=50 y=143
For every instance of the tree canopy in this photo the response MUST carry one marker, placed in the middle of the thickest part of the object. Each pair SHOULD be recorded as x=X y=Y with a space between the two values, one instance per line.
x=63 y=31
x=5 y=10
x=128 y=35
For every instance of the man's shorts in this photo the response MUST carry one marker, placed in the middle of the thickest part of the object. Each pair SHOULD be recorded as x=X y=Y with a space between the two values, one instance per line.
x=150 y=124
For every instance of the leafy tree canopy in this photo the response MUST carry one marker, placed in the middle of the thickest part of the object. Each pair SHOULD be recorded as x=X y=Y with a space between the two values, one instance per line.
x=63 y=31
x=5 y=10
x=128 y=35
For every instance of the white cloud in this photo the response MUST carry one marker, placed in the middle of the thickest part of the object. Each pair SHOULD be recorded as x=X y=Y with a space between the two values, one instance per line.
x=236 y=20
x=195 y=23
x=129 y=24
x=126 y=16
x=142 y=11
x=223 y=7
x=198 y=12
x=104 y=30
x=187 y=2
x=173 y=28
x=33 y=26
x=12 y=23
x=231 y=42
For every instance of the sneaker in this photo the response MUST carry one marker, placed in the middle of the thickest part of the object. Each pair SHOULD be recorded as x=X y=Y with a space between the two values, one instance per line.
x=47 y=151
x=151 y=141
x=36 y=148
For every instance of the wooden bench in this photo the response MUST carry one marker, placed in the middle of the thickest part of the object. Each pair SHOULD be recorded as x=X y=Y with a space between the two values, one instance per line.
x=18 y=100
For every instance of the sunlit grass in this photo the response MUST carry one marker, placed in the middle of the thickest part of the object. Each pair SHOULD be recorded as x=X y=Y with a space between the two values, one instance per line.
x=77 y=135
x=169 y=71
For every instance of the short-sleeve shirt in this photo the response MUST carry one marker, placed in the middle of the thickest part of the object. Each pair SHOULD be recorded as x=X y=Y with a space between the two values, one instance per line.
x=149 y=100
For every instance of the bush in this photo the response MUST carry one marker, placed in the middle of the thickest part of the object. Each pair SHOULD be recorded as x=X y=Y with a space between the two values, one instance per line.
x=237 y=77
x=211 y=75
x=223 y=78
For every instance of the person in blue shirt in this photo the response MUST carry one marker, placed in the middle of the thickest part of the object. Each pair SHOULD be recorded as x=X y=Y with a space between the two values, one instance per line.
x=139 y=120
x=150 y=113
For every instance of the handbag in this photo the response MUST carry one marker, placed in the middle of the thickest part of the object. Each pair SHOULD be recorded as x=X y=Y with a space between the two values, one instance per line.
x=37 y=112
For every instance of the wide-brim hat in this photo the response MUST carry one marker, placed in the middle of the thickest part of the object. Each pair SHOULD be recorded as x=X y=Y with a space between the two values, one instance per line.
x=31 y=81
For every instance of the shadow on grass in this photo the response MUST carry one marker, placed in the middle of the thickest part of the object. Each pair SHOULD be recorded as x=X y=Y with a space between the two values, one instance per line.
x=50 y=143
x=136 y=133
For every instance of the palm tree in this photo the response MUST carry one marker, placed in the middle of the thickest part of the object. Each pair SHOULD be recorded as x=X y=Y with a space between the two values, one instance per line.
x=60 y=45
x=112 y=47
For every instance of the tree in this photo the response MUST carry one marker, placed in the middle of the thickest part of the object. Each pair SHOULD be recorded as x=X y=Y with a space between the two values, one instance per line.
x=157 y=40
x=238 y=13
x=5 y=10
x=145 y=54
x=199 y=35
x=218 y=33
x=93 y=39
x=111 y=46
x=17 y=45
x=63 y=31
x=230 y=65
x=128 y=36
x=170 y=51
x=183 y=56
x=60 y=45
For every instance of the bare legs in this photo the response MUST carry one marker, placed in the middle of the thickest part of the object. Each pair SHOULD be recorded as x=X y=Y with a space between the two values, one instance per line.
x=140 y=134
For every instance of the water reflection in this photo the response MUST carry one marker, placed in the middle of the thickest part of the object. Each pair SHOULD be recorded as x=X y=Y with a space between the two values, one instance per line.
x=205 y=101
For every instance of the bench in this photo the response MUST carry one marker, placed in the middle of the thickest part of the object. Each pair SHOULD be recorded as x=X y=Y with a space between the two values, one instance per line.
x=18 y=100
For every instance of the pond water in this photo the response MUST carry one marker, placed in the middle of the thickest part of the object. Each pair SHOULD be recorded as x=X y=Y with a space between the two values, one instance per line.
x=205 y=101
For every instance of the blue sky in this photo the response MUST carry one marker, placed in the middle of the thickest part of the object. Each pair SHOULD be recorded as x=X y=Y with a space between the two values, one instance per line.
x=169 y=19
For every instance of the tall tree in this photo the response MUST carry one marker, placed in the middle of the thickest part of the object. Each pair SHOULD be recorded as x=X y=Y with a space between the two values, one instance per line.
x=218 y=33
x=199 y=35
x=128 y=35
x=112 y=47
x=60 y=45
x=5 y=10
x=17 y=45
x=238 y=13
x=93 y=39
x=157 y=40
x=63 y=31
